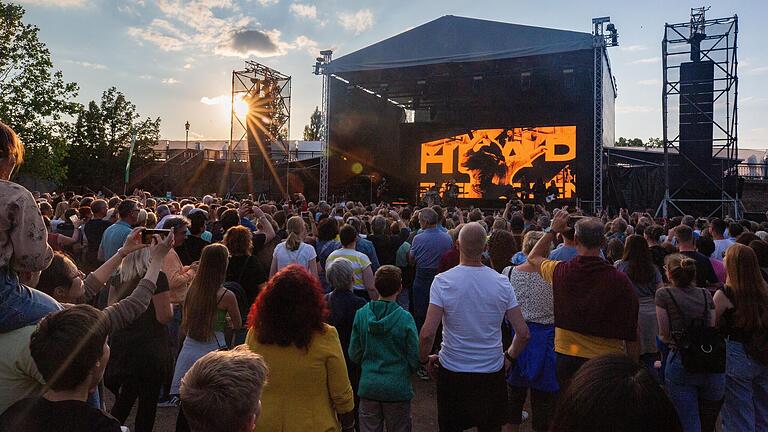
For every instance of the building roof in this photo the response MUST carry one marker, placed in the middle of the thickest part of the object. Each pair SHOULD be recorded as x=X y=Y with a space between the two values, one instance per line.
x=453 y=39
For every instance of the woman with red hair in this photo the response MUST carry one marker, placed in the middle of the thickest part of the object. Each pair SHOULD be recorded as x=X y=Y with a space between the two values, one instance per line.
x=308 y=384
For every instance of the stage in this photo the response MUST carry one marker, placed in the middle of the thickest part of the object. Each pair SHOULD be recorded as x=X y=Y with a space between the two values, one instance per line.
x=497 y=108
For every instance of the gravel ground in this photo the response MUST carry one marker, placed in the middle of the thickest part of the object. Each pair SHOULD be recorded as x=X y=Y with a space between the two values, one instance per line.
x=424 y=411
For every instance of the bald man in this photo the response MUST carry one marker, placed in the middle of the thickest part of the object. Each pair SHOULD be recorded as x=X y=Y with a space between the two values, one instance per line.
x=471 y=300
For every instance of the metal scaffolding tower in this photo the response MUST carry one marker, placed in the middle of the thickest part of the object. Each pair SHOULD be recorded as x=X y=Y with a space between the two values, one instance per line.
x=705 y=40
x=326 y=58
x=602 y=40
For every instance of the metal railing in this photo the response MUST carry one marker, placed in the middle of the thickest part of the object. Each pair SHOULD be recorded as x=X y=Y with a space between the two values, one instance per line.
x=753 y=171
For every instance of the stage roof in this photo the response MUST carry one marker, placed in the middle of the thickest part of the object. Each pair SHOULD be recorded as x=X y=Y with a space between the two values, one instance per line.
x=453 y=39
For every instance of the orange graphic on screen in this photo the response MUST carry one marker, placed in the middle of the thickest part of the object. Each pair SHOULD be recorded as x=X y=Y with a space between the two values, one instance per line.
x=489 y=163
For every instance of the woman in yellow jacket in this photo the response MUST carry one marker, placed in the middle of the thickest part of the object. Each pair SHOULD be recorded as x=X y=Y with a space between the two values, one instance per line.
x=308 y=387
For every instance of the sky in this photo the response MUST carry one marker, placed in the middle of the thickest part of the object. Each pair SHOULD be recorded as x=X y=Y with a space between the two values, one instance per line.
x=174 y=59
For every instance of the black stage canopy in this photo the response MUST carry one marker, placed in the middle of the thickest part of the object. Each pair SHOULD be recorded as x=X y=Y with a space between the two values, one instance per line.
x=452 y=39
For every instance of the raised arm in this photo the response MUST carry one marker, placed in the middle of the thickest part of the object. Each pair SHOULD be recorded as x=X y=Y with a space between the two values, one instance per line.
x=266 y=225
x=540 y=252
x=128 y=309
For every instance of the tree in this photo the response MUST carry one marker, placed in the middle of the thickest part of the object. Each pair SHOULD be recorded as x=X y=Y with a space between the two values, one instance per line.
x=101 y=138
x=655 y=143
x=313 y=131
x=632 y=142
x=34 y=98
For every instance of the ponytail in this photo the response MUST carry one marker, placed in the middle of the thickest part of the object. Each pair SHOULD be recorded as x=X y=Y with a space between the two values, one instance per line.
x=295 y=227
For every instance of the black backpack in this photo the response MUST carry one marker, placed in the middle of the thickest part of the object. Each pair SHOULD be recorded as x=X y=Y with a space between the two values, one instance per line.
x=702 y=346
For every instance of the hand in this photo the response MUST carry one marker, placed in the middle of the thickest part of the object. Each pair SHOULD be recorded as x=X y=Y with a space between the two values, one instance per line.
x=194 y=266
x=432 y=365
x=160 y=247
x=243 y=211
x=132 y=242
x=257 y=212
x=560 y=220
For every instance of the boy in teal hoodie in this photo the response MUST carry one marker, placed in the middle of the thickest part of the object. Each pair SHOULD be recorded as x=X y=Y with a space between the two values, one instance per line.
x=386 y=346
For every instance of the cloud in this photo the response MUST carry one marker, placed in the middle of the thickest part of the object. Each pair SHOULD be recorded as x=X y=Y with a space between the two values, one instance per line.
x=163 y=41
x=649 y=82
x=303 y=42
x=170 y=81
x=762 y=70
x=56 y=3
x=634 y=109
x=188 y=66
x=633 y=48
x=210 y=27
x=649 y=60
x=146 y=77
x=269 y=2
x=216 y=100
x=358 y=22
x=304 y=11
x=249 y=42
x=88 y=65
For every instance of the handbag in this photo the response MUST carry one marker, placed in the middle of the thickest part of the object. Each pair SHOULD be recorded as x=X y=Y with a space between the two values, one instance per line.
x=701 y=346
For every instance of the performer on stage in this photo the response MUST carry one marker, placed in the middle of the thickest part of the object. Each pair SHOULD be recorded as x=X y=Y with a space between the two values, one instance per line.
x=382 y=190
x=552 y=192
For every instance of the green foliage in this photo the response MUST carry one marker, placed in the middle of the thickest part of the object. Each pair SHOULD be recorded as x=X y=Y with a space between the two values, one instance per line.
x=637 y=142
x=313 y=131
x=101 y=138
x=34 y=98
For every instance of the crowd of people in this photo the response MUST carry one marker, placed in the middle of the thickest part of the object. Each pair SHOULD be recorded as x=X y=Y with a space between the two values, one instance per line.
x=301 y=316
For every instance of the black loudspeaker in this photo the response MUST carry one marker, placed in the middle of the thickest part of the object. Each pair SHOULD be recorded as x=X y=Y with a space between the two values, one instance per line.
x=696 y=126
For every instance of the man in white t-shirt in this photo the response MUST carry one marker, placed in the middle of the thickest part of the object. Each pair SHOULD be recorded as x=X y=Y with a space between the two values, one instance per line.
x=363 y=285
x=717 y=229
x=471 y=300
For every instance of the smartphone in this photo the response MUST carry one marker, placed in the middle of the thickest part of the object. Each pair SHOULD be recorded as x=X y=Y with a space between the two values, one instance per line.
x=74 y=219
x=147 y=234
x=572 y=219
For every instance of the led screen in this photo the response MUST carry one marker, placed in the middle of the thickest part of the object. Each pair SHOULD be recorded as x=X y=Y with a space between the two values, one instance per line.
x=498 y=163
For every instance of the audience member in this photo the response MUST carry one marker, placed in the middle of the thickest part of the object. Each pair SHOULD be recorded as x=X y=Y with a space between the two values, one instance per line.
x=385 y=344
x=308 y=374
x=471 y=390
x=227 y=383
x=595 y=305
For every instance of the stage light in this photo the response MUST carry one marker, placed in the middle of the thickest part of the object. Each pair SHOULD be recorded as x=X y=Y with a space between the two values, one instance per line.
x=357 y=168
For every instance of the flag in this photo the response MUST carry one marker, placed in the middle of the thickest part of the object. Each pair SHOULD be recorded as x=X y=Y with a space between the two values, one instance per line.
x=130 y=156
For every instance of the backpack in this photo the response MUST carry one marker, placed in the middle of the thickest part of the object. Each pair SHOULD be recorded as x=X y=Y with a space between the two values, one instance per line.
x=701 y=346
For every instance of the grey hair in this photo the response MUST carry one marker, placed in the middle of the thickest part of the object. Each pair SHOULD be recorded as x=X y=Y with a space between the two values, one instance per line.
x=378 y=224
x=174 y=222
x=428 y=215
x=162 y=210
x=356 y=223
x=340 y=274
x=590 y=232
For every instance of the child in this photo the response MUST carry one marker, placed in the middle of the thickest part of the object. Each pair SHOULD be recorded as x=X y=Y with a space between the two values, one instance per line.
x=386 y=346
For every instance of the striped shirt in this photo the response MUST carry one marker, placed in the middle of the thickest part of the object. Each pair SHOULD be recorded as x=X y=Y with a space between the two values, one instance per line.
x=359 y=262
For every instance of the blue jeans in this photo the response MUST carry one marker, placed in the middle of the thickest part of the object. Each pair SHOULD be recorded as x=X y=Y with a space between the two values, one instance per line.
x=422 y=282
x=746 y=392
x=21 y=305
x=697 y=396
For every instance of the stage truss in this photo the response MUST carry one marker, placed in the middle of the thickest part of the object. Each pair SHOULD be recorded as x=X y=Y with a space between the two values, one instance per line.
x=325 y=136
x=602 y=41
x=261 y=97
x=718 y=43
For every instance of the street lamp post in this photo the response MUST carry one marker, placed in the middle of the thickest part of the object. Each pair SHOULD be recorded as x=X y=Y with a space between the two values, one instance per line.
x=186 y=140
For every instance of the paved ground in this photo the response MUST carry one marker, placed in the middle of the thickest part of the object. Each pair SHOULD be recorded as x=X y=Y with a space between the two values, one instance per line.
x=424 y=411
